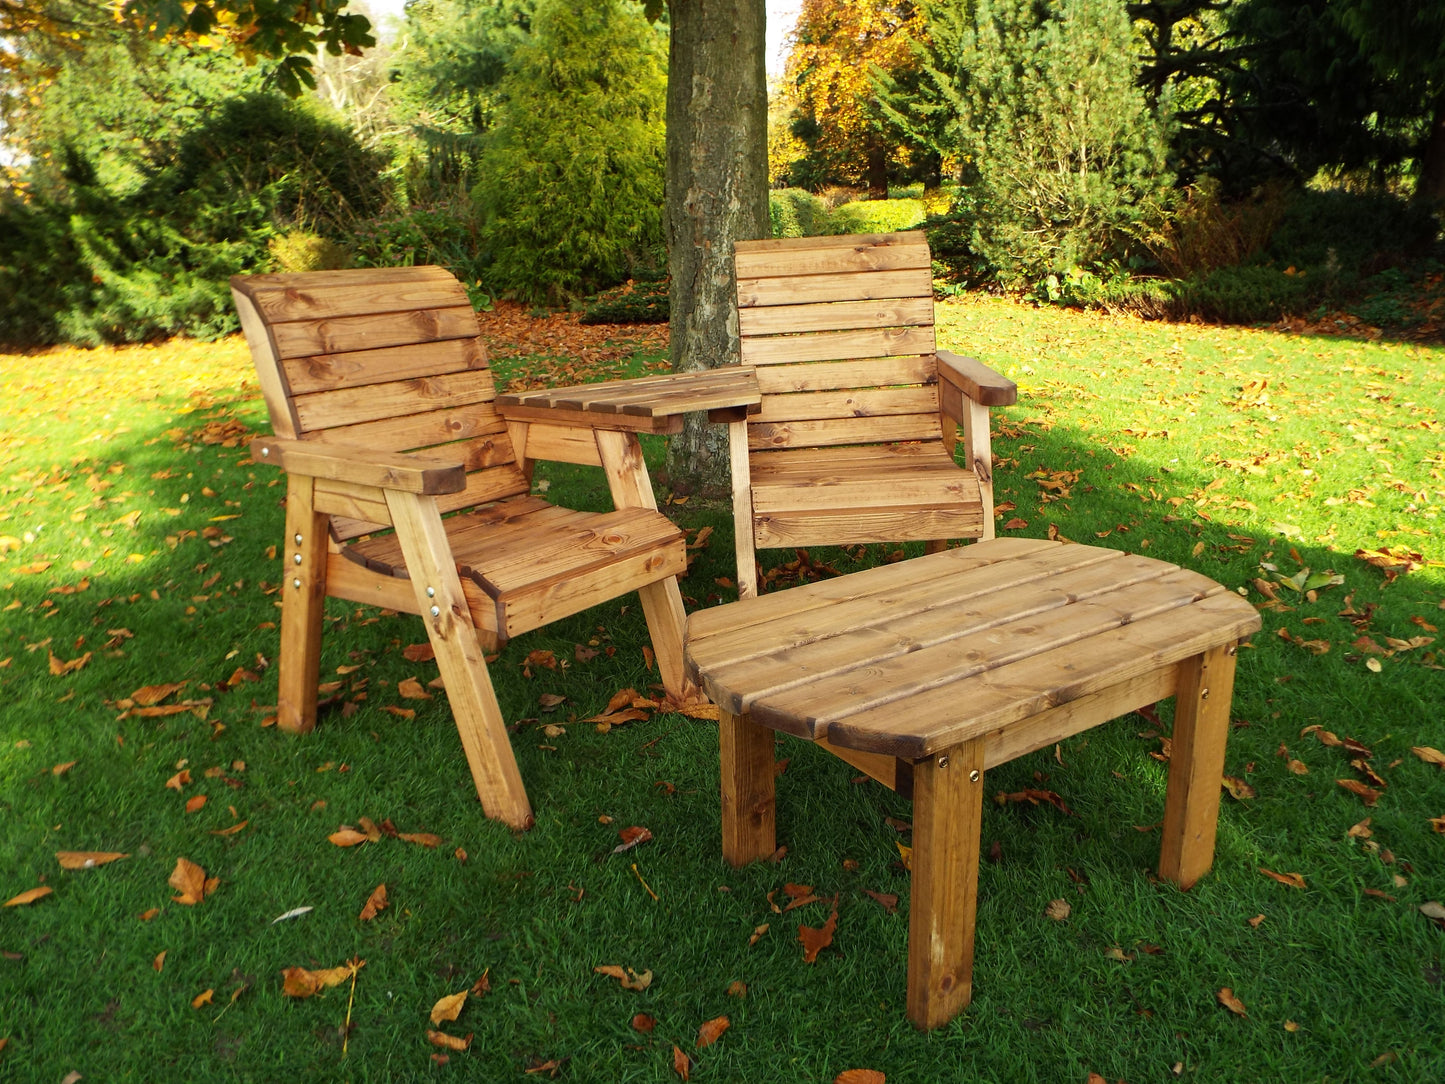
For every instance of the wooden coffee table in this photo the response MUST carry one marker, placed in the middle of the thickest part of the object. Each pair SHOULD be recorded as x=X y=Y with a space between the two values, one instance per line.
x=926 y=673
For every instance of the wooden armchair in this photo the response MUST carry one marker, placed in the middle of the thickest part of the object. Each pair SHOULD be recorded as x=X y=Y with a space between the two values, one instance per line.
x=856 y=436
x=386 y=420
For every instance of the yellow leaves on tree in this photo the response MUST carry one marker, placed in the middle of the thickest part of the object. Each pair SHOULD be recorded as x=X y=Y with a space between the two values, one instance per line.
x=837 y=44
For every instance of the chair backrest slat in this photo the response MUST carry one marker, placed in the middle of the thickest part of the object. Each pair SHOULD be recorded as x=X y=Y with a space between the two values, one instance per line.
x=386 y=358
x=841 y=330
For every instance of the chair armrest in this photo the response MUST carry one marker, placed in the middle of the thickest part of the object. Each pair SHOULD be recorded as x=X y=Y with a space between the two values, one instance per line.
x=362 y=466
x=976 y=380
x=647 y=404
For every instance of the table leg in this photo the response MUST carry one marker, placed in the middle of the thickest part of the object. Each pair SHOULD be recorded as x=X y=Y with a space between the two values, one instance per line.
x=748 y=803
x=1196 y=765
x=947 y=821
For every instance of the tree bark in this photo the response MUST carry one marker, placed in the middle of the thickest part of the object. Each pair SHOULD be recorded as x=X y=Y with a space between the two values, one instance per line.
x=717 y=193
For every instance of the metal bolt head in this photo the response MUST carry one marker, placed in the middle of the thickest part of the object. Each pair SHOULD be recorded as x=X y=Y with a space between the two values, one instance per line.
x=436 y=611
x=1233 y=650
x=296 y=584
x=265 y=451
x=298 y=538
x=431 y=592
x=943 y=762
x=1204 y=694
x=297 y=558
x=973 y=776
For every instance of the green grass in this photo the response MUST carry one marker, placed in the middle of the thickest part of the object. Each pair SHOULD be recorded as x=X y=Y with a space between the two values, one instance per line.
x=1182 y=453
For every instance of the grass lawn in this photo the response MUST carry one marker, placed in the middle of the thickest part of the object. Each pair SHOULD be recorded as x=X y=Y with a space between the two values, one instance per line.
x=138 y=549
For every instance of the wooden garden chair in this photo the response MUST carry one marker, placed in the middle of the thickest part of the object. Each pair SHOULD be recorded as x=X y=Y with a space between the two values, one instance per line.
x=387 y=420
x=856 y=436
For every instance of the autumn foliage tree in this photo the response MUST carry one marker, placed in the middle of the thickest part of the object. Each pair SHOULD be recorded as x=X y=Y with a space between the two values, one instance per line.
x=838 y=44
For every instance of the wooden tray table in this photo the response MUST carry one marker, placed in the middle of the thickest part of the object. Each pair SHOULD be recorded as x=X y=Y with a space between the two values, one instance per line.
x=926 y=673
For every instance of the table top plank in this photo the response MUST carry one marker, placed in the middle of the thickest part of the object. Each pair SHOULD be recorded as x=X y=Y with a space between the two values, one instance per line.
x=962 y=643
x=981 y=706
x=835 y=614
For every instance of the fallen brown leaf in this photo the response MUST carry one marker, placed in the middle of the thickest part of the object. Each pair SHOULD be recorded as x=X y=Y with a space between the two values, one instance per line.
x=1058 y=910
x=412 y=689
x=1369 y=795
x=1429 y=755
x=191 y=882
x=347 y=837
x=448 y=1042
x=375 y=904
x=160 y=960
x=629 y=978
x=681 y=1064
x=1230 y=1002
x=642 y=1022
x=194 y=802
x=860 y=1076
x=180 y=779
x=631 y=837
x=87 y=859
x=711 y=1031
x=428 y=840
x=1034 y=796
x=1361 y=830
x=815 y=940
x=757 y=934
x=300 y=982
x=59 y=667
x=887 y=900
x=30 y=895
x=203 y=998
x=150 y=695
x=1294 y=880
x=448 y=1008
x=1238 y=788
x=737 y=988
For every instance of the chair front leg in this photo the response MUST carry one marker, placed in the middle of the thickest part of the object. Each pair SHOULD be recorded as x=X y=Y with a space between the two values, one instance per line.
x=303 y=599
x=453 y=636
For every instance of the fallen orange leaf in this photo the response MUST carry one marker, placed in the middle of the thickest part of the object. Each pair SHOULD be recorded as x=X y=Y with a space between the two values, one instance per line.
x=1369 y=795
x=231 y=830
x=299 y=982
x=347 y=837
x=191 y=882
x=61 y=769
x=149 y=695
x=448 y=1042
x=860 y=1076
x=1058 y=910
x=160 y=960
x=59 y=667
x=630 y=979
x=375 y=903
x=815 y=940
x=29 y=896
x=681 y=1063
x=194 y=802
x=711 y=1031
x=426 y=839
x=87 y=859
x=758 y=932
x=643 y=1022
x=418 y=652
x=1294 y=880
x=147 y=915
x=1230 y=1002
x=448 y=1008
x=737 y=988
x=412 y=689
x=1429 y=755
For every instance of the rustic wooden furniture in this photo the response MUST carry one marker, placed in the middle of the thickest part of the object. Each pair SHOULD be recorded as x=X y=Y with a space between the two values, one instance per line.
x=856 y=436
x=926 y=673
x=386 y=420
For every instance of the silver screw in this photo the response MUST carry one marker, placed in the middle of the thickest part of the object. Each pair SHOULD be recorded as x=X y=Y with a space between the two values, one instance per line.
x=436 y=611
x=973 y=776
x=431 y=592
x=296 y=583
x=1232 y=651
x=1204 y=694
x=943 y=762
x=298 y=538
x=297 y=558
x=265 y=451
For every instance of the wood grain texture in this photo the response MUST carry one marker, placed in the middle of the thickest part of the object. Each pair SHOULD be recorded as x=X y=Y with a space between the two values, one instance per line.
x=943 y=900
x=749 y=802
x=362 y=466
x=976 y=380
x=359 y=368
x=836 y=316
x=812 y=288
x=648 y=396
x=1196 y=764
x=831 y=255
x=303 y=603
x=789 y=348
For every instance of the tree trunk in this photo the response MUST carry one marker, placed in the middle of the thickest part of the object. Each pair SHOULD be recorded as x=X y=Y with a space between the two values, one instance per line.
x=877 y=171
x=1431 y=187
x=717 y=193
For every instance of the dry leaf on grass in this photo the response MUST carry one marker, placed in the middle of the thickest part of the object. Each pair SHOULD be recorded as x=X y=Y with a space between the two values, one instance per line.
x=29 y=896
x=418 y=652
x=642 y=1022
x=757 y=934
x=412 y=689
x=179 y=780
x=448 y=1042
x=191 y=882
x=160 y=960
x=1034 y=796
x=300 y=982
x=150 y=695
x=711 y=1031
x=375 y=904
x=1361 y=830
x=448 y=1008
x=1429 y=755
x=1058 y=910
x=1369 y=795
x=1238 y=788
x=1230 y=1002
x=681 y=1063
x=87 y=859
x=195 y=802
x=1294 y=880
x=59 y=667
x=347 y=837
x=629 y=978
x=860 y=1076
x=815 y=940
x=631 y=837
x=428 y=840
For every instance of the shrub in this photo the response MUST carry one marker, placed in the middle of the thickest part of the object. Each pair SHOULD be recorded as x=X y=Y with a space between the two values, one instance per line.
x=447 y=234
x=797 y=213
x=630 y=303
x=1359 y=232
x=1249 y=295
x=878 y=216
x=1204 y=232
x=571 y=191
x=298 y=250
